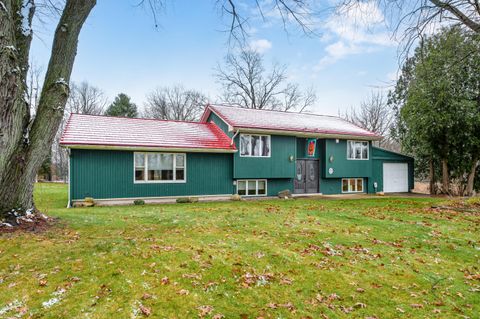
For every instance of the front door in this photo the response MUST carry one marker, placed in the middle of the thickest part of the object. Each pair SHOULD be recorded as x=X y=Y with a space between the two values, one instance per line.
x=306 y=176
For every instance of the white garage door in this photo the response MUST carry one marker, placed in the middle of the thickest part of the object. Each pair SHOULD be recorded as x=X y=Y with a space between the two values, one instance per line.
x=395 y=177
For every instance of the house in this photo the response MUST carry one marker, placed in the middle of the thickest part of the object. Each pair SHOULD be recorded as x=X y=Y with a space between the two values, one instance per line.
x=230 y=151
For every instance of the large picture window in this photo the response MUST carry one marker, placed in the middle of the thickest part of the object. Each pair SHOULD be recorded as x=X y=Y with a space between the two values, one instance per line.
x=159 y=167
x=352 y=185
x=252 y=145
x=252 y=187
x=357 y=150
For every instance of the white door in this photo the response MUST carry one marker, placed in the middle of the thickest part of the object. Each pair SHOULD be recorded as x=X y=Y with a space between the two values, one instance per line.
x=395 y=177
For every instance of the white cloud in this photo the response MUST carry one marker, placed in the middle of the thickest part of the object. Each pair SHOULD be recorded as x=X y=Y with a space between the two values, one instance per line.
x=356 y=29
x=260 y=45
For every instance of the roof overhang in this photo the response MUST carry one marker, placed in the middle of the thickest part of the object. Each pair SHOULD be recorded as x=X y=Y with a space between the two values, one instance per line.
x=308 y=134
x=147 y=148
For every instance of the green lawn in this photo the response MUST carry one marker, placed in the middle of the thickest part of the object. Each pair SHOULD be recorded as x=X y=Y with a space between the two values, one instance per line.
x=376 y=258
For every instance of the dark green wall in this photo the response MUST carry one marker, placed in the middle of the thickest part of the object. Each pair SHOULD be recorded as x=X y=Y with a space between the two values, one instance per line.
x=109 y=174
x=277 y=165
x=220 y=123
x=343 y=167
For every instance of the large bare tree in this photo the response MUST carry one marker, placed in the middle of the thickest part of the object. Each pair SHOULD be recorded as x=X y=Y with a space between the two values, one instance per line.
x=175 y=103
x=86 y=99
x=25 y=141
x=375 y=115
x=246 y=82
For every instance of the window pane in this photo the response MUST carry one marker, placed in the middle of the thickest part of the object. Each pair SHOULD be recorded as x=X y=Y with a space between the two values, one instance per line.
x=160 y=167
x=180 y=174
x=241 y=188
x=245 y=145
x=351 y=185
x=350 y=145
x=255 y=145
x=345 y=185
x=139 y=160
x=139 y=174
x=265 y=146
x=180 y=160
x=359 y=185
x=358 y=150
x=252 y=188
x=365 y=150
x=261 y=188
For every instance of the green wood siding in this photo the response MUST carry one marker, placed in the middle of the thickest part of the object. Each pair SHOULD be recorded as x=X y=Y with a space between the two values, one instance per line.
x=109 y=174
x=343 y=167
x=220 y=123
x=278 y=165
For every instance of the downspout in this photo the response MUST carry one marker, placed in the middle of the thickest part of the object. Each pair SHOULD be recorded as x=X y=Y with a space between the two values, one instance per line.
x=69 y=205
x=233 y=137
x=231 y=143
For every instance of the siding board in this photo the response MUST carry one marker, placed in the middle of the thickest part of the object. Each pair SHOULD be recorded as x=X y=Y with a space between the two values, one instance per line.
x=109 y=174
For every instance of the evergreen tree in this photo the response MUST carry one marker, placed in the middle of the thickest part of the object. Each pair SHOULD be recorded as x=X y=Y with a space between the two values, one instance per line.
x=122 y=106
x=438 y=98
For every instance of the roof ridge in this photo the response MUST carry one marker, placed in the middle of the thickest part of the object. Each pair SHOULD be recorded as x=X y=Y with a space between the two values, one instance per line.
x=137 y=118
x=276 y=111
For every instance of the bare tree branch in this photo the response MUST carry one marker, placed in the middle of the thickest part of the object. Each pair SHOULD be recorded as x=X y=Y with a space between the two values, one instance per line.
x=246 y=83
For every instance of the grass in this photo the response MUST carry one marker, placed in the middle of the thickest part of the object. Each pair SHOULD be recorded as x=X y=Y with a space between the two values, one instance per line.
x=305 y=258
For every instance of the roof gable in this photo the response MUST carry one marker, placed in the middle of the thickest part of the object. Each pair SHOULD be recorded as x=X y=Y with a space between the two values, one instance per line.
x=120 y=132
x=289 y=123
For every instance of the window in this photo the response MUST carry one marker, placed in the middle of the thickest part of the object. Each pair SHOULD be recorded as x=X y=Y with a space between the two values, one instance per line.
x=159 y=167
x=352 y=185
x=252 y=187
x=357 y=150
x=254 y=145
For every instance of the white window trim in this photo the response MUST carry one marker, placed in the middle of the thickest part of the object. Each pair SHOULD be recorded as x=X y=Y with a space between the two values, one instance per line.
x=256 y=187
x=174 y=181
x=359 y=159
x=355 y=178
x=254 y=156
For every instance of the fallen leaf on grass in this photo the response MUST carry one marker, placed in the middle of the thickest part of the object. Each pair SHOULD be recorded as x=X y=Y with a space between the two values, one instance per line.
x=218 y=316
x=360 y=305
x=204 y=311
x=145 y=310
x=146 y=296
x=42 y=283
x=416 y=305
x=165 y=281
x=183 y=292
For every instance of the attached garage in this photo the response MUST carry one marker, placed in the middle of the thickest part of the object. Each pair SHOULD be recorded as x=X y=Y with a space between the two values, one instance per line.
x=392 y=172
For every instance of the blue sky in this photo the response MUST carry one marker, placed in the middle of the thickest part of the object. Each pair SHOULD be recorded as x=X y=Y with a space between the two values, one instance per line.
x=120 y=50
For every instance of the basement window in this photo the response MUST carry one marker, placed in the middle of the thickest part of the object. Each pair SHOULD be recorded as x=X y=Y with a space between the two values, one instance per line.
x=252 y=145
x=252 y=187
x=159 y=167
x=352 y=185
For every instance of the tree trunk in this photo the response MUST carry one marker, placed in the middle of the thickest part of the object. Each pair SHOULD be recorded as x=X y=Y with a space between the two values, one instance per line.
x=471 y=178
x=28 y=143
x=431 y=176
x=445 y=177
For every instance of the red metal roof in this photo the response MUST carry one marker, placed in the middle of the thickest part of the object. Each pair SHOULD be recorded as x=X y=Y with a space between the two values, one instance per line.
x=253 y=119
x=95 y=130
